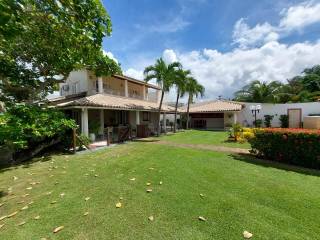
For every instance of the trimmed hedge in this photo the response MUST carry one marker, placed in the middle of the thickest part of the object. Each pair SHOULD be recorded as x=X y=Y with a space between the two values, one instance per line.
x=294 y=146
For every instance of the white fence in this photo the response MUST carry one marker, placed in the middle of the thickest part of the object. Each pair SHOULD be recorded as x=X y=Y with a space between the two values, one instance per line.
x=246 y=118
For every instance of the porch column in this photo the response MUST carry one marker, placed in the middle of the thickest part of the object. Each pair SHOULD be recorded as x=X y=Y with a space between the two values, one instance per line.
x=144 y=92
x=126 y=94
x=234 y=117
x=101 y=121
x=84 y=121
x=137 y=118
x=164 y=122
x=100 y=85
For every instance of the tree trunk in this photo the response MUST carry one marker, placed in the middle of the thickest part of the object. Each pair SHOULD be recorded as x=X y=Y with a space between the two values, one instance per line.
x=159 y=113
x=30 y=153
x=189 y=99
x=175 y=113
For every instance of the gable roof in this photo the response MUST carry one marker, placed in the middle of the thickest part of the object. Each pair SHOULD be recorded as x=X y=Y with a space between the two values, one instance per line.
x=114 y=102
x=216 y=106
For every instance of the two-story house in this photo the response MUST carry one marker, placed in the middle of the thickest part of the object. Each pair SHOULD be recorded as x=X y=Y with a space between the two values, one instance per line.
x=100 y=102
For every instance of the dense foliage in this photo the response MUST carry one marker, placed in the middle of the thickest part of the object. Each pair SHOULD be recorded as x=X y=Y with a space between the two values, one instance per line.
x=41 y=42
x=302 y=88
x=267 y=120
x=294 y=146
x=25 y=126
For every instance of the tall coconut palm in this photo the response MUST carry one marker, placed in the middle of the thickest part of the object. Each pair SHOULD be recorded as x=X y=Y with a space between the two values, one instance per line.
x=194 y=89
x=164 y=74
x=180 y=81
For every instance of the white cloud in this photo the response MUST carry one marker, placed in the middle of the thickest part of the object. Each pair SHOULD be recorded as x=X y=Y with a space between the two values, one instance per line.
x=300 y=16
x=172 y=25
x=110 y=55
x=137 y=74
x=169 y=56
x=224 y=73
x=292 y=19
x=246 y=36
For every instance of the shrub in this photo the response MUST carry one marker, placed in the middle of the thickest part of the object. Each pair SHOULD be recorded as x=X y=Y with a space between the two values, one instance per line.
x=25 y=126
x=257 y=123
x=235 y=131
x=284 y=120
x=267 y=120
x=294 y=146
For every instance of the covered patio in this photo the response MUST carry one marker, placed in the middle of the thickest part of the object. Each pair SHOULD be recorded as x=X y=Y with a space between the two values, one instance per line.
x=114 y=118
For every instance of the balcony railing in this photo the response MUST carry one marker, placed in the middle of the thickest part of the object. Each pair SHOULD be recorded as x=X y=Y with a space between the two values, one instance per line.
x=150 y=97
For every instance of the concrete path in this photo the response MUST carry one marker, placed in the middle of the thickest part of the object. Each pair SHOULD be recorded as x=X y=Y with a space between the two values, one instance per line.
x=205 y=147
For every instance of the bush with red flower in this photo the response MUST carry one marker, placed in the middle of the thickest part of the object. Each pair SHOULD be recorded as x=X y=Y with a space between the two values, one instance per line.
x=288 y=145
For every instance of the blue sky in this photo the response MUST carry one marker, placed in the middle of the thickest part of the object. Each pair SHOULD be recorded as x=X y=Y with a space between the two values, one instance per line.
x=210 y=36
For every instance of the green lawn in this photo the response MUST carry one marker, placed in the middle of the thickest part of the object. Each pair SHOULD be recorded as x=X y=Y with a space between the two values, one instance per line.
x=218 y=138
x=269 y=202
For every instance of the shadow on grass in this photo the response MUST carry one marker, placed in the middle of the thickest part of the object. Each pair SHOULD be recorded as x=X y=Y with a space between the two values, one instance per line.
x=271 y=164
x=3 y=194
x=47 y=156
x=146 y=140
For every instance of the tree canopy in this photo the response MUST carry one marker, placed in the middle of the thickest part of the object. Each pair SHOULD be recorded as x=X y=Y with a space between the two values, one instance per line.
x=302 y=88
x=43 y=41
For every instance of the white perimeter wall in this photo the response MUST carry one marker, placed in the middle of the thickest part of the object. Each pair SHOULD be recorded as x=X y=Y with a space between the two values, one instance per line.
x=246 y=118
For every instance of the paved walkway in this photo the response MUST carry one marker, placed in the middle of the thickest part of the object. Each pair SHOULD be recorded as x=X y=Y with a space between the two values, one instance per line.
x=205 y=147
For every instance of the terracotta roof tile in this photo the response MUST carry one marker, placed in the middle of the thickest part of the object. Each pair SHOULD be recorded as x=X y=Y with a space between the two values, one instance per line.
x=215 y=106
x=115 y=102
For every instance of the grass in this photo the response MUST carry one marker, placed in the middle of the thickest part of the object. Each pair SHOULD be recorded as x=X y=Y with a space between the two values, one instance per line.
x=270 y=202
x=218 y=138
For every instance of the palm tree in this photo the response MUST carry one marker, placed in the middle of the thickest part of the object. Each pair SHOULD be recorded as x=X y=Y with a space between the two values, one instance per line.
x=163 y=74
x=194 y=89
x=180 y=80
x=258 y=91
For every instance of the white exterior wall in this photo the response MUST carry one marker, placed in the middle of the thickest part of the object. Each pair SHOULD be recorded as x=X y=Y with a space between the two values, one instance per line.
x=246 y=118
x=76 y=78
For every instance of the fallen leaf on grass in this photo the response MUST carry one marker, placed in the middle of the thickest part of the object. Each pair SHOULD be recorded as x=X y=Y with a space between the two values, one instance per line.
x=87 y=198
x=160 y=183
x=58 y=229
x=96 y=175
x=20 y=202
x=26 y=195
x=29 y=188
x=3 y=217
x=149 y=190
x=30 y=202
x=132 y=179
x=118 y=205
x=12 y=214
x=62 y=194
x=56 y=183
x=24 y=208
x=1 y=225
x=151 y=168
x=86 y=213
x=202 y=219
x=151 y=218
x=148 y=184
x=22 y=223
x=201 y=195
x=48 y=193
x=53 y=202
x=247 y=235
x=1 y=204
x=15 y=178
x=36 y=218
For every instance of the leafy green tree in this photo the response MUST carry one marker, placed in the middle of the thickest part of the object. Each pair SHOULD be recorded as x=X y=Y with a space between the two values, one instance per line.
x=164 y=75
x=193 y=88
x=43 y=41
x=258 y=91
x=180 y=81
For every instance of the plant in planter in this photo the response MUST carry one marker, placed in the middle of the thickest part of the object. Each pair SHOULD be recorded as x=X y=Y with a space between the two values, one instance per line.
x=257 y=123
x=267 y=120
x=94 y=129
x=284 y=120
